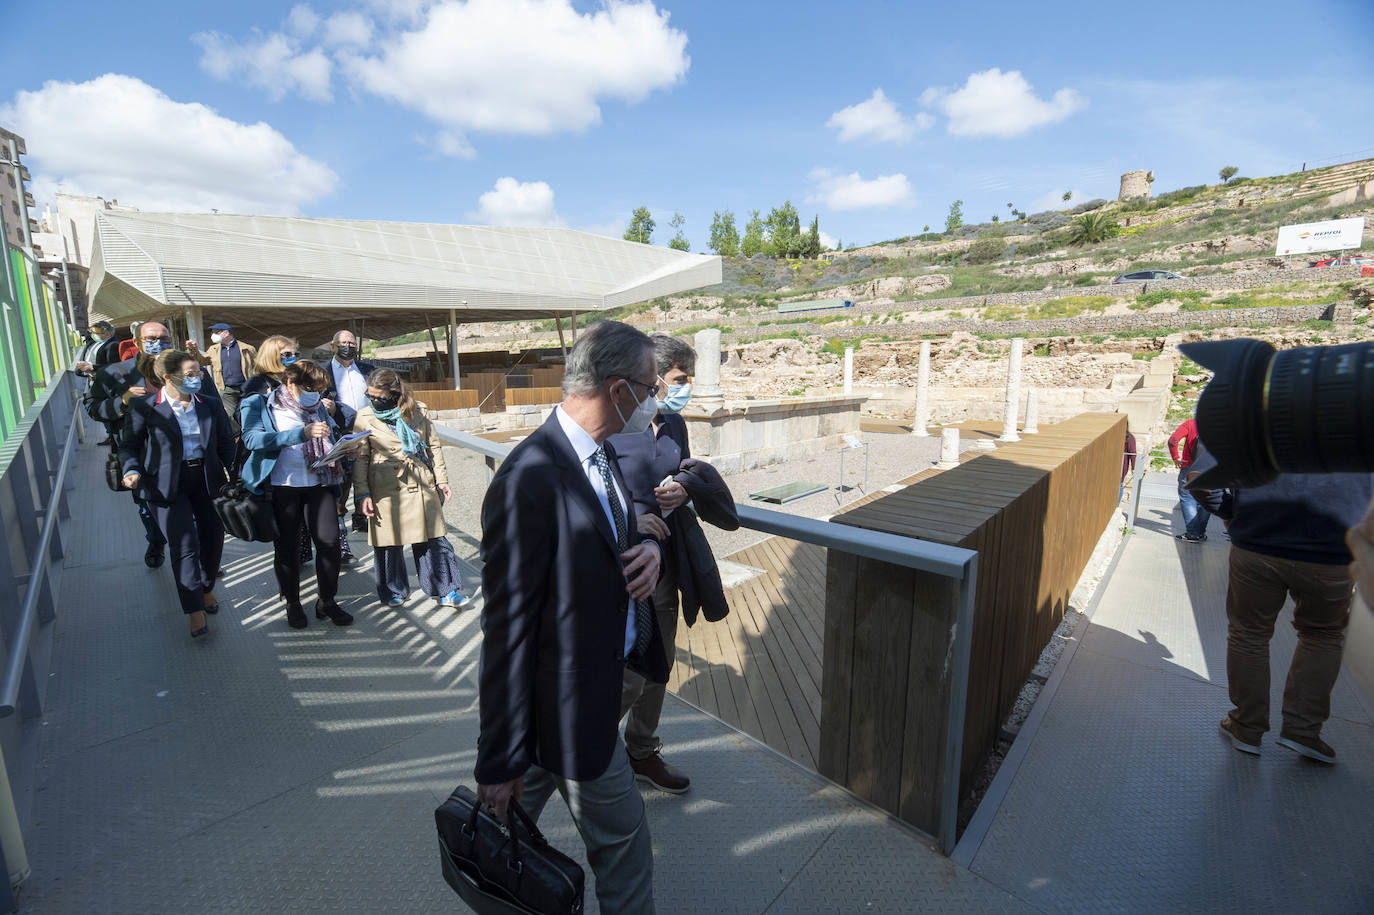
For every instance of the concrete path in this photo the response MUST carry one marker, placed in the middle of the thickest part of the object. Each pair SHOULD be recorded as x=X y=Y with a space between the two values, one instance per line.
x=265 y=769
x=1127 y=798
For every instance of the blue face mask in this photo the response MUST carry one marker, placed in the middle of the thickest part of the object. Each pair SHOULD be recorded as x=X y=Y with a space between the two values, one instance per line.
x=190 y=385
x=153 y=347
x=676 y=398
x=289 y=360
x=308 y=399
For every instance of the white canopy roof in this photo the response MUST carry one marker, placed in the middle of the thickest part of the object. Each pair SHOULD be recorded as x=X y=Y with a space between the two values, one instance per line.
x=308 y=277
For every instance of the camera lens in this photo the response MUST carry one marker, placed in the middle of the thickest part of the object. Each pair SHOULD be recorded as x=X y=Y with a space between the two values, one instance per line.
x=1305 y=410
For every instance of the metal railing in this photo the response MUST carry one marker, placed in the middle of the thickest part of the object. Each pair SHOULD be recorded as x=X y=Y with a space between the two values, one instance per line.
x=34 y=466
x=936 y=558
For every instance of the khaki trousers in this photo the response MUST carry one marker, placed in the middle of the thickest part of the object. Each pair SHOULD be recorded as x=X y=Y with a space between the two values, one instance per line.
x=1256 y=592
x=641 y=698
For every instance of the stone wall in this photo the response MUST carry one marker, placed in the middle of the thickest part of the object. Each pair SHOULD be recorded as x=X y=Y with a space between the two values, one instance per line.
x=742 y=435
x=1083 y=324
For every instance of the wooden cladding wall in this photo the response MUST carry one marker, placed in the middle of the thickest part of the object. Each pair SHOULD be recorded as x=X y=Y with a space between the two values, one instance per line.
x=490 y=388
x=521 y=397
x=447 y=400
x=1034 y=511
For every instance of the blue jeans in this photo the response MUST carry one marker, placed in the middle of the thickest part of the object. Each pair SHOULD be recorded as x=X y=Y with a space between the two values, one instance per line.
x=1195 y=516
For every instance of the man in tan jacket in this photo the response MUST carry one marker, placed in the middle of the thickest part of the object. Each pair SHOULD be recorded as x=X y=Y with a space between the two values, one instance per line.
x=232 y=362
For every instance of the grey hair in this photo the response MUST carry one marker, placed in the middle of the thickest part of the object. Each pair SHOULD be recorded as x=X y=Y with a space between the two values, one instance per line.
x=606 y=349
x=334 y=341
x=670 y=351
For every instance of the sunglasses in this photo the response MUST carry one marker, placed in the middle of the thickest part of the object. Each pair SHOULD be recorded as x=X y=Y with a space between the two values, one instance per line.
x=288 y=352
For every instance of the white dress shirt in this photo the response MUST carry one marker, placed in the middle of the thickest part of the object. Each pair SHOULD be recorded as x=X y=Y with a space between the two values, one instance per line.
x=190 y=428
x=350 y=384
x=291 y=468
x=585 y=447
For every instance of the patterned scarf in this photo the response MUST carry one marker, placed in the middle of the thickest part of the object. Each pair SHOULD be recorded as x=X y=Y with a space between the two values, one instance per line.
x=315 y=448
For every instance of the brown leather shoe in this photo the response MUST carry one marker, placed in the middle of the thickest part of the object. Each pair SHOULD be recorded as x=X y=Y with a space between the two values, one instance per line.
x=659 y=774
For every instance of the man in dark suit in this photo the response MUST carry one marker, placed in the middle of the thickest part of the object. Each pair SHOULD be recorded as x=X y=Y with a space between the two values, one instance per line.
x=347 y=394
x=567 y=580
x=112 y=389
x=101 y=349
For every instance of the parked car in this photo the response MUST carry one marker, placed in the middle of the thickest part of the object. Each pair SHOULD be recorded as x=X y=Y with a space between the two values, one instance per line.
x=1141 y=276
x=1350 y=260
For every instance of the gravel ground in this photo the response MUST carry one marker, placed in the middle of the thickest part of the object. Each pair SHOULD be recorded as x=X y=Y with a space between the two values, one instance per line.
x=890 y=458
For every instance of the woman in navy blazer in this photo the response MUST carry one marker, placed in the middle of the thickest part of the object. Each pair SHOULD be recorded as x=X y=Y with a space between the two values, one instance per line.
x=174 y=450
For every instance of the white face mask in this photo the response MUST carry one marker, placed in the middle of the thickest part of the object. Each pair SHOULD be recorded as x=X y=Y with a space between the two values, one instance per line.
x=217 y=338
x=642 y=416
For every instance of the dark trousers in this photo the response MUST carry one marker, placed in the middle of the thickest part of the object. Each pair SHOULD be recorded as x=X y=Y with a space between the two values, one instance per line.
x=318 y=506
x=151 y=531
x=1255 y=594
x=642 y=699
x=195 y=537
x=435 y=563
x=230 y=397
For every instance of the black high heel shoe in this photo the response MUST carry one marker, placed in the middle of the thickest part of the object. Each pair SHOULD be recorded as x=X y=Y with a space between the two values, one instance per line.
x=295 y=616
x=335 y=613
x=197 y=633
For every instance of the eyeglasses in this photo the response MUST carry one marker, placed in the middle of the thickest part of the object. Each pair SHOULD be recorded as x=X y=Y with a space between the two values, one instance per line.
x=652 y=388
x=288 y=352
x=163 y=339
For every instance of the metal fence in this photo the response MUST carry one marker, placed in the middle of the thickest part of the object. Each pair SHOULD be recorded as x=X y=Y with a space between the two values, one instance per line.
x=958 y=565
x=34 y=504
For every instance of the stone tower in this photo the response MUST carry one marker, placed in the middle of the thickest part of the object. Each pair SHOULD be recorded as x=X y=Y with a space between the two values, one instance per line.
x=1135 y=184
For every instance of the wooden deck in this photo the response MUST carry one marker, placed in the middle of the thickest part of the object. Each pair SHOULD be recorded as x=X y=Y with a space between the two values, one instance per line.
x=759 y=669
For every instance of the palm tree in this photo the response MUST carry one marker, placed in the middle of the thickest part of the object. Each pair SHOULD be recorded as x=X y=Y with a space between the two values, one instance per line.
x=1091 y=228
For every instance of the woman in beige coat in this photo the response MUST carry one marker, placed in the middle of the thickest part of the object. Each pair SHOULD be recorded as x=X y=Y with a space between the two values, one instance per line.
x=400 y=480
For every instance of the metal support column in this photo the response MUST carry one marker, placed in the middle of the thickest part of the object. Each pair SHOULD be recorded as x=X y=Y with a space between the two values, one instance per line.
x=453 y=347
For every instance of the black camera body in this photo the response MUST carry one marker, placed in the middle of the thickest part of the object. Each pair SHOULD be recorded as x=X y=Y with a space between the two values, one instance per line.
x=1267 y=411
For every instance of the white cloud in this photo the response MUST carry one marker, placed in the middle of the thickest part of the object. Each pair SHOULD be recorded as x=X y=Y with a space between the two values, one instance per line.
x=275 y=63
x=348 y=29
x=530 y=67
x=1054 y=200
x=116 y=136
x=877 y=119
x=828 y=240
x=851 y=192
x=302 y=20
x=517 y=203
x=997 y=104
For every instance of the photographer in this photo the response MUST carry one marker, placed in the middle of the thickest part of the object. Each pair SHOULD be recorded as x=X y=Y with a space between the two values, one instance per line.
x=1288 y=537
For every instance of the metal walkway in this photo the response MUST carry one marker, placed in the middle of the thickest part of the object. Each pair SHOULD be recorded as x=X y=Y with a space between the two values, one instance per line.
x=1126 y=797
x=266 y=769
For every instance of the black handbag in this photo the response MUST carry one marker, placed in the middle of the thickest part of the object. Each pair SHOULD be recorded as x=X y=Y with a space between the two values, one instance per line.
x=245 y=515
x=114 y=475
x=504 y=868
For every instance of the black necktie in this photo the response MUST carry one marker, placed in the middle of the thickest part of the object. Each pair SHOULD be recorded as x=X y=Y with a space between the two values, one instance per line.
x=643 y=619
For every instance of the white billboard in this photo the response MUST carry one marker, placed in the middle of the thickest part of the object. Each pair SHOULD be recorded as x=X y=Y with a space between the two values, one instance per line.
x=1332 y=235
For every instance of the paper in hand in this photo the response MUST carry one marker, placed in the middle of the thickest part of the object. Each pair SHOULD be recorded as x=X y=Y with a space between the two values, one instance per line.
x=347 y=446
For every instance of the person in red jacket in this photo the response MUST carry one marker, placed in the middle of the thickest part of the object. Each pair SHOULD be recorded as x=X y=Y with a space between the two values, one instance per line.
x=1183 y=448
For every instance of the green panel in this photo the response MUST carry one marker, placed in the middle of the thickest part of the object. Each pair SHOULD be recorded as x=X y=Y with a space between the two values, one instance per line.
x=26 y=316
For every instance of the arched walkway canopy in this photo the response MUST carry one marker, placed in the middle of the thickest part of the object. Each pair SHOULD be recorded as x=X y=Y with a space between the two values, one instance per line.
x=309 y=277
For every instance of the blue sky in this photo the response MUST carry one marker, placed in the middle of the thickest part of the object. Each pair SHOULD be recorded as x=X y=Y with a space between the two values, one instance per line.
x=540 y=111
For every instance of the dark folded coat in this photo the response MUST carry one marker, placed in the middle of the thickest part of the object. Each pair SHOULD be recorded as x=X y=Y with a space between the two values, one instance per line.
x=698 y=576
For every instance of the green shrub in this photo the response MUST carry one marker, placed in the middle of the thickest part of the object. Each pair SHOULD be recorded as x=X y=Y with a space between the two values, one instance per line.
x=1091 y=228
x=986 y=250
x=1032 y=247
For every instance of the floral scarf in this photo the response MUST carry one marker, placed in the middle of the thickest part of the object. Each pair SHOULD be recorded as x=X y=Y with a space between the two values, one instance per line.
x=315 y=448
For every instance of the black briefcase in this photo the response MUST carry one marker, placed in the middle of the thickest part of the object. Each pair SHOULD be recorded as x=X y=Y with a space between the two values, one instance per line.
x=114 y=476
x=245 y=515
x=504 y=868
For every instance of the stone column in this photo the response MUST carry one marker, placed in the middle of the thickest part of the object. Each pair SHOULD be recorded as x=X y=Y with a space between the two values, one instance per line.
x=1032 y=414
x=1013 y=393
x=848 y=370
x=949 y=448
x=922 y=415
x=706 y=384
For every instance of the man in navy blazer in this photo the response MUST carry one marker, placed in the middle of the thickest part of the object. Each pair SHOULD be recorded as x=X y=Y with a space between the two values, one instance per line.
x=566 y=580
